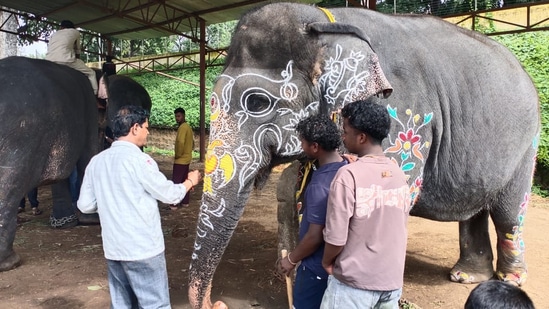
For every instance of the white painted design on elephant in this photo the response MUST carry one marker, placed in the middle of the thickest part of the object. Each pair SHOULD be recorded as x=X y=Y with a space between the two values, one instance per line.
x=338 y=70
x=204 y=217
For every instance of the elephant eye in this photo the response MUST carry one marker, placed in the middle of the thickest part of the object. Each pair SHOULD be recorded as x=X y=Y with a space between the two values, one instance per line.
x=258 y=103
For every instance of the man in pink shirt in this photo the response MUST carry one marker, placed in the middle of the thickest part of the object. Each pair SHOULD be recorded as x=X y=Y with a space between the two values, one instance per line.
x=366 y=219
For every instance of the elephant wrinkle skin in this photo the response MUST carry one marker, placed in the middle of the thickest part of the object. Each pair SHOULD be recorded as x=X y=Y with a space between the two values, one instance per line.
x=464 y=113
x=49 y=126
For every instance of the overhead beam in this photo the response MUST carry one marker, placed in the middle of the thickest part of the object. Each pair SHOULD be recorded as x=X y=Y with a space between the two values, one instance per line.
x=171 y=62
x=526 y=17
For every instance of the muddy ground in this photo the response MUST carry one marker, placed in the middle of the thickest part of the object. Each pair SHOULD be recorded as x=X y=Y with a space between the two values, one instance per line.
x=66 y=268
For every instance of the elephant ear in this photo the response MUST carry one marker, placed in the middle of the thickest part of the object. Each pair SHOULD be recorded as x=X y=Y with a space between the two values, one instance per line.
x=339 y=28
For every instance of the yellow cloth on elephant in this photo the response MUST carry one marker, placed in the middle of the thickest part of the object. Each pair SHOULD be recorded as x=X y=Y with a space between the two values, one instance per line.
x=184 y=144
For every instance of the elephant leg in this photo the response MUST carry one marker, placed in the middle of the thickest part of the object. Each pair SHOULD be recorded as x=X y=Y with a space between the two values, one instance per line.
x=475 y=256
x=288 y=226
x=8 y=224
x=508 y=220
x=63 y=214
x=510 y=265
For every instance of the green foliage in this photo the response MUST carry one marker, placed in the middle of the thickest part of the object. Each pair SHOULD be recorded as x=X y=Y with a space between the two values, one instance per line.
x=532 y=49
x=168 y=94
x=538 y=190
x=34 y=29
x=167 y=152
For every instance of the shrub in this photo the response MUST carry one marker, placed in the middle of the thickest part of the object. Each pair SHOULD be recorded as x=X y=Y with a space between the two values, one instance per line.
x=168 y=94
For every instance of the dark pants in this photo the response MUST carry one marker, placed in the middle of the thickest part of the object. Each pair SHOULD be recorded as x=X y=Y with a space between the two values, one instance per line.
x=180 y=174
x=33 y=198
x=308 y=289
x=75 y=186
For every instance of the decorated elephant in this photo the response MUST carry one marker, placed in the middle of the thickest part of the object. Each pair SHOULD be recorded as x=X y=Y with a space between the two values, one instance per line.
x=49 y=120
x=465 y=123
x=121 y=90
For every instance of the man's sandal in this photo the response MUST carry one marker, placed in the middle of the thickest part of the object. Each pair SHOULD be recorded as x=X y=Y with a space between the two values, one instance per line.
x=174 y=207
x=36 y=211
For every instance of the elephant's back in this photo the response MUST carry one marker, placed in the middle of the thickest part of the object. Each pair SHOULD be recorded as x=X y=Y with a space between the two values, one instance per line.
x=42 y=86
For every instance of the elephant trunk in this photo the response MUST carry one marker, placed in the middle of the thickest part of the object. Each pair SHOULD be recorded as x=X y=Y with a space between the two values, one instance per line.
x=217 y=221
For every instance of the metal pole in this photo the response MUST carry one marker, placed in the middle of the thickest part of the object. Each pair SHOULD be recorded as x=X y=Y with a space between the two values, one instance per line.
x=202 y=90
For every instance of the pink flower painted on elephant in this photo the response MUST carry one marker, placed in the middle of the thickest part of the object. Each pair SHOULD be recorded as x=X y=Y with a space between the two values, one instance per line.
x=408 y=139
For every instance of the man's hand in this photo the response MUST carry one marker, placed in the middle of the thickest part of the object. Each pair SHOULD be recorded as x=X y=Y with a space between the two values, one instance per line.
x=195 y=177
x=328 y=268
x=350 y=157
x=285 y=266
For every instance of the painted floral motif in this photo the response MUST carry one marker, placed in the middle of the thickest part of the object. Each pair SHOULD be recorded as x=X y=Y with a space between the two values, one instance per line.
x=517 y=243
x=406 y=149
x=513 y=245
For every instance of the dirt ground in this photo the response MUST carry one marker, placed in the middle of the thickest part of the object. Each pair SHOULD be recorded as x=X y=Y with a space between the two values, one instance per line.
x=65 y=269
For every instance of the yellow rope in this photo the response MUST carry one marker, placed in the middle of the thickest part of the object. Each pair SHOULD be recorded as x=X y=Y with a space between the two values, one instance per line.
x=331 y=17
x=308 y=168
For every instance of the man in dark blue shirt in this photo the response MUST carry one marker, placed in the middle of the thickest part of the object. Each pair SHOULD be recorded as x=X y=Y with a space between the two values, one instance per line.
x=320 y=139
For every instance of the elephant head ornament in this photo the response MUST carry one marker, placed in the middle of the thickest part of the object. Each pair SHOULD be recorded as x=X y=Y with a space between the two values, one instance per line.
x=287 y=61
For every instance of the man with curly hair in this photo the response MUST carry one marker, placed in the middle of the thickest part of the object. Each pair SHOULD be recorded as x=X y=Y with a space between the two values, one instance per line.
x=320 y=139
x=366 y=218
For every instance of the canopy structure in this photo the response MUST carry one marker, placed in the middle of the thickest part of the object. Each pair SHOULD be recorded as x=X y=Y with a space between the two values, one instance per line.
x=137 y=19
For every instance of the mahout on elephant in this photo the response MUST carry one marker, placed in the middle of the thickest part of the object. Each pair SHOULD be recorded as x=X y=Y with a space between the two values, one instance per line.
x=49 y=121
x=465 y=125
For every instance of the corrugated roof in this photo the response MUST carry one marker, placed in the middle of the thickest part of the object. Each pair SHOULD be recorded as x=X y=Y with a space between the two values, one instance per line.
x=137 y=19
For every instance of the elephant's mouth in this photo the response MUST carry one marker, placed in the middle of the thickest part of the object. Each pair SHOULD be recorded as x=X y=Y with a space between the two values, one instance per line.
x=382 y=95
x=262 y=176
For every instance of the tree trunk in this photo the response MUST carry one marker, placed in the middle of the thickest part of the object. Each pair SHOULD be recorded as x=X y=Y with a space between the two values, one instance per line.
x=8 y=41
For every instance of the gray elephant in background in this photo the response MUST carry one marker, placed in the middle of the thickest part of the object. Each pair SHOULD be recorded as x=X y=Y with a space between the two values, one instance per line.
x=465 y=123
x=121 y=90
x=49 y=126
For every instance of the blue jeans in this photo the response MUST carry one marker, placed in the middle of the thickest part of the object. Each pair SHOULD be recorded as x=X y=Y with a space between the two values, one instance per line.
x=308 y=289
x=33 y=199
x=75 y=185
x=139 y=284
x=339 y=295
